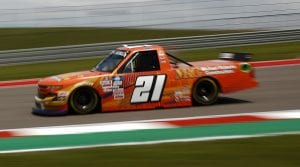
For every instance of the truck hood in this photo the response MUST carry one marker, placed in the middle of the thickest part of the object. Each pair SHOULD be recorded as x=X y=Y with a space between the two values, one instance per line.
x=69 y=78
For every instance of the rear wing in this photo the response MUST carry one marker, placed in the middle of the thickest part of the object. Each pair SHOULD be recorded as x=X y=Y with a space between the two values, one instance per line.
x=235 y=56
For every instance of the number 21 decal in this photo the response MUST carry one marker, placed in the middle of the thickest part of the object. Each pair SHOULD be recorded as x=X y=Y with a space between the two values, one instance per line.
x=148 y=88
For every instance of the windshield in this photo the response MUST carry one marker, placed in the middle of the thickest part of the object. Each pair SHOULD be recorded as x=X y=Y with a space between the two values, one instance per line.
x=109 y=63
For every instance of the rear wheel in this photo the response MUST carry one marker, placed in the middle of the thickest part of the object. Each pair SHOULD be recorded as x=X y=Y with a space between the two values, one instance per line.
x=84 y=101
x=205 y=91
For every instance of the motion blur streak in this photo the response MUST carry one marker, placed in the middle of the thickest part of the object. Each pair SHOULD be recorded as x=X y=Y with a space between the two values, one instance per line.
x=177 y=14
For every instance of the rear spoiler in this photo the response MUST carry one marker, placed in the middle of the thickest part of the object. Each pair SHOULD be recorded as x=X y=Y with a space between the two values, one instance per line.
x=235 y=56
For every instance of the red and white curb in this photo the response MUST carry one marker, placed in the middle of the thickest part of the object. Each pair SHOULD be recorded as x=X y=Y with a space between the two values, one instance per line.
x=14 y=83
x=151 y=124
x=258 y=64
x=272 y=63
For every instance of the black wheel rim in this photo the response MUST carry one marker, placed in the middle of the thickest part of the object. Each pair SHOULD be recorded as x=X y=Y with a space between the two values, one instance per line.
x=84 y=100
x=206 y=91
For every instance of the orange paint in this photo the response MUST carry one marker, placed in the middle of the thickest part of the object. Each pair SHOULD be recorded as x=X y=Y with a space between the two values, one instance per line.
x=116 y=88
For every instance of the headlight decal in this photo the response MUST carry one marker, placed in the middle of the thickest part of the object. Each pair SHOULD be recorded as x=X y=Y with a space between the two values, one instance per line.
x=245 y=67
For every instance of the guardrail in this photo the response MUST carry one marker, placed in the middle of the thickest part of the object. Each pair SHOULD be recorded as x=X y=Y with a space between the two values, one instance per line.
x=91 y=50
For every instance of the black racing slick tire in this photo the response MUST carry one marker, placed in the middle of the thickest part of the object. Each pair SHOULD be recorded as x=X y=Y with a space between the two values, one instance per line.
x=205 y=91
x=84 y=100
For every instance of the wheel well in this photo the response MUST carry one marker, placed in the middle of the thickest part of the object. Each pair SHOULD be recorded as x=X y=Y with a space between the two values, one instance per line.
x=84 y=87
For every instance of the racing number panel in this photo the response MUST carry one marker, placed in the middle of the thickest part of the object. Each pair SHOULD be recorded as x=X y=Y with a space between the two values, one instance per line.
x=148 y=88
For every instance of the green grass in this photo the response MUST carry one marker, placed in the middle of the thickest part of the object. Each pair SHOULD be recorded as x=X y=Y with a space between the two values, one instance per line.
x=261 y=52
x=276 y=51
x=21 y=38
x=266 y=151
x=45 y=69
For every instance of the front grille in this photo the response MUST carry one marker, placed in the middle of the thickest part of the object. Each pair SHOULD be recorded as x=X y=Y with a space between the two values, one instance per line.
x=41 y=95
x=43 y=86
x=42 y=91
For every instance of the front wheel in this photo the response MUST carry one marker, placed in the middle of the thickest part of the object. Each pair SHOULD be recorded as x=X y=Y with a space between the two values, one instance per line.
x=205 y=91
x=84 y=101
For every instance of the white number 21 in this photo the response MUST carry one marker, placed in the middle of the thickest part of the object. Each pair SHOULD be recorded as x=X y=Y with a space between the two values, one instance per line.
x=148 y=88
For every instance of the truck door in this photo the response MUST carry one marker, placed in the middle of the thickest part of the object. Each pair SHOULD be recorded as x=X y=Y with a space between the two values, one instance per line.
x=143 y=81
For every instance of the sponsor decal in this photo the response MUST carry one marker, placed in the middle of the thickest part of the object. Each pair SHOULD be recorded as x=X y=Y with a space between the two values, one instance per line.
x=106 y=83
x=187 y=73
x=56 y=78
x=119 y=52
x=60 y=98
x=117 y=81
x=182 y=95
x=106 y=90
x=118 y=93
x=216 y=70
x=62 y=94
x=109 y=85
x=162 y=57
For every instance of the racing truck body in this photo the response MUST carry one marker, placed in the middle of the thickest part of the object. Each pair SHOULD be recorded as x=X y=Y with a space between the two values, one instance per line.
x=143 y=77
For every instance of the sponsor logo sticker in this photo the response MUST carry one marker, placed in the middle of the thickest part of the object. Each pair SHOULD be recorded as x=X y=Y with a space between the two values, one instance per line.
x=56 y=78
x=118 y=93
x=117 y=81
x=106 y=83
x=216 y=70
x=183 y=94
x=62 y=94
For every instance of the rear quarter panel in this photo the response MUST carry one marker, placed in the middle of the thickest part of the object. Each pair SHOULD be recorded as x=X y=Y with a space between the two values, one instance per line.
x=229 y=74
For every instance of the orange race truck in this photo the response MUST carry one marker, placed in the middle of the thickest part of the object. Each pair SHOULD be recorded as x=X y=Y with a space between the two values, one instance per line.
x=143 y=77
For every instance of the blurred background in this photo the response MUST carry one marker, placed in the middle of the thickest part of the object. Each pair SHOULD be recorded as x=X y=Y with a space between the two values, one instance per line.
x=89 y=29
x=168 y=14
x=40 y=38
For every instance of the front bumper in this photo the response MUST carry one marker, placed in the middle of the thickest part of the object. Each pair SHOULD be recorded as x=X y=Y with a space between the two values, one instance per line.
x=39 y=111
x=49 y=107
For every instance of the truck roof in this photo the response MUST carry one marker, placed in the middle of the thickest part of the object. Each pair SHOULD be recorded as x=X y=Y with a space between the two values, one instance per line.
x=140 y=47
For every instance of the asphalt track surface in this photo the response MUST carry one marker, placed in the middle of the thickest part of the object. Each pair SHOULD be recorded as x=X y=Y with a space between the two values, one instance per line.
x=278 y=90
